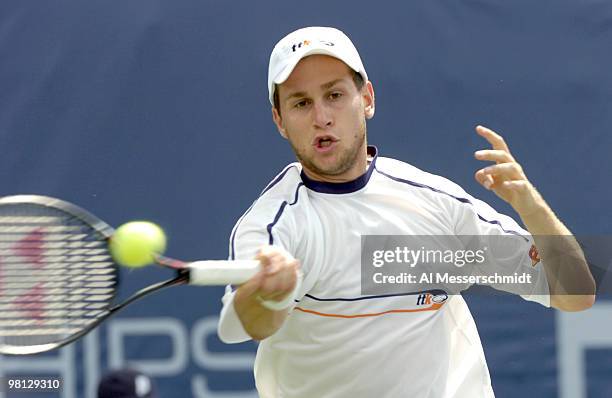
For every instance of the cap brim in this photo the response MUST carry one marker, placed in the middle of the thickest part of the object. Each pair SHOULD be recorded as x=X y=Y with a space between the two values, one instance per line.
x=285 y=73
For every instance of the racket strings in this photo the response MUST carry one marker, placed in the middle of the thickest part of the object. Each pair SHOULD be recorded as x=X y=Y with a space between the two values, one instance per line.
x=56 y=275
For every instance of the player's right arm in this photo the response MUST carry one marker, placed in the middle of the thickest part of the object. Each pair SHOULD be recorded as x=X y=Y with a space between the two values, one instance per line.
x=271 y=231
x=274 y=284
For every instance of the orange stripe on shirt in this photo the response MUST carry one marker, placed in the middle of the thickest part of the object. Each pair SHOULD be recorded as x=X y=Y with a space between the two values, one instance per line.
x=434 y=307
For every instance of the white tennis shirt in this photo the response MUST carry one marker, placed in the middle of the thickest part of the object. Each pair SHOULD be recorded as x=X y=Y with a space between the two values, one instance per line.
x=338 y=342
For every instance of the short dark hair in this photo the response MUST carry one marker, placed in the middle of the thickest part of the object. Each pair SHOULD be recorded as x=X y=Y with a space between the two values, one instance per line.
x=357 y=79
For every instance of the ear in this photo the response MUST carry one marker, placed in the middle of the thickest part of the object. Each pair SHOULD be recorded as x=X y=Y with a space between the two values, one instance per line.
x=368 y=97
x=278 y=120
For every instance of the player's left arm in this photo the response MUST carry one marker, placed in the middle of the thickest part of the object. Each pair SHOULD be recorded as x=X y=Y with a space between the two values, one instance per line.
x=571 y=285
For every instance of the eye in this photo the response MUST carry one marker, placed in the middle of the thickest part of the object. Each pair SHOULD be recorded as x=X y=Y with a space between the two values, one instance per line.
x=335 y=95
x=300 y=104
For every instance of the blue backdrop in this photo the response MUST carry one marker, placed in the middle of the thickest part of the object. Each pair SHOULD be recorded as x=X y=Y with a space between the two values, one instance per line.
x=151 y=109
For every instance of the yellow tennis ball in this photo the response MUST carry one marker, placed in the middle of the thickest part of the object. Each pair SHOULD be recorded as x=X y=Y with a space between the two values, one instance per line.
x=134 y=244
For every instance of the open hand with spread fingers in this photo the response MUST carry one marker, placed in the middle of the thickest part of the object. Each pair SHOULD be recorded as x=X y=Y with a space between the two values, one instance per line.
x=506 y=177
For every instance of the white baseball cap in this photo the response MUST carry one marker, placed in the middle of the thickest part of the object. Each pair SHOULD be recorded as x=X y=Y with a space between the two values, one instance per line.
x=309 y=41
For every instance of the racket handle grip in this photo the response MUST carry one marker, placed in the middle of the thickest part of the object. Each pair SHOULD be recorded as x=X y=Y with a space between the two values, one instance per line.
x=222 y=272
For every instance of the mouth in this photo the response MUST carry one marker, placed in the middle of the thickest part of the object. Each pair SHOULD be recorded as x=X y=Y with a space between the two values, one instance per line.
x=324 y=142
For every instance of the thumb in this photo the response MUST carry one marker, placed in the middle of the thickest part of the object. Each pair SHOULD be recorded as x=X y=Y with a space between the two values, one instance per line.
x=250 y=287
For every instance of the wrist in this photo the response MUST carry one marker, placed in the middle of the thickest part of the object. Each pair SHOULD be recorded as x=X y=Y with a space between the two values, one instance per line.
x=532 y=205
x=286 y=302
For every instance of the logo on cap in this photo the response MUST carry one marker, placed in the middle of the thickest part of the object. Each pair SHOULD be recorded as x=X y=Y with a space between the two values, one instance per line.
x=305 y=43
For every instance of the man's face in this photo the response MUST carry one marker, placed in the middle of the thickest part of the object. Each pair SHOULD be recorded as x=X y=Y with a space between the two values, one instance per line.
x=322 y=114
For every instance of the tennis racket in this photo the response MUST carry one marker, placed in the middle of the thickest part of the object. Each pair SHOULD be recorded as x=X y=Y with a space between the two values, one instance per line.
x=58 y=280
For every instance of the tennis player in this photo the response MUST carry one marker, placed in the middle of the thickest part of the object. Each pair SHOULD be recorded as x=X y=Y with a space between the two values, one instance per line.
x=320 y=336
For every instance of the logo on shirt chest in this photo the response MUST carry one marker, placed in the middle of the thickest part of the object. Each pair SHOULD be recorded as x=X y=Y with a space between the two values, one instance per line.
x=429 y=298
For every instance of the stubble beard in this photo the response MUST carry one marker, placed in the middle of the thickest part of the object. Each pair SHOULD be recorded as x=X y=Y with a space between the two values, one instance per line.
x=346 y=159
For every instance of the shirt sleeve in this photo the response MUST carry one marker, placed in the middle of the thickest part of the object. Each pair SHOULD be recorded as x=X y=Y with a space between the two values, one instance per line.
x=509 y=251
x=251 y=233
x=230 y=329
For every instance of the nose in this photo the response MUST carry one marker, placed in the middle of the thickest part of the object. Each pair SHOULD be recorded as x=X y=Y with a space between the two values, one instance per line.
x=322 y=117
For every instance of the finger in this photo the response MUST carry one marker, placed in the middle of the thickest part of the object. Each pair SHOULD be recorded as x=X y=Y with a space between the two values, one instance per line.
x=484 y=179
x=496 y=140
x=494 y=155
x=288 y=278
x=505 y=171
x=263 y=255
x=252 y=286
x=276 y=264
x=516 y=185
x=269 y=257
x=279 y=284
x=266 y=261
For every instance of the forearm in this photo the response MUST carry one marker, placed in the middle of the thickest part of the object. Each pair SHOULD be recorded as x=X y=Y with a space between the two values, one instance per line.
x=571 y=285
x=263 y=302
x=258 y=321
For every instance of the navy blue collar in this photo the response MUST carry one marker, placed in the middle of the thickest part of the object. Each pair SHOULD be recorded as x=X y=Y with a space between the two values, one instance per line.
x=343 y=187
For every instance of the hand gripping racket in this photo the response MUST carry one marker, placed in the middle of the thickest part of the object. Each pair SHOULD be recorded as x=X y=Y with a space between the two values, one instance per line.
x=58 y=280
